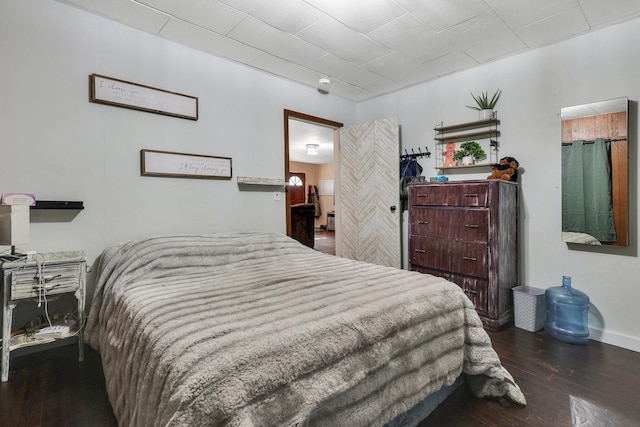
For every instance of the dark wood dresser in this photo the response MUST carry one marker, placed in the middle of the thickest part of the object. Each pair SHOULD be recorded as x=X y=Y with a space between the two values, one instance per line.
x=467 y=232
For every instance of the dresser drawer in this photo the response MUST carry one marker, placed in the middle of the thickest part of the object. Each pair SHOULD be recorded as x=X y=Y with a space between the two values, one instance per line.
x=468 y=258
x=476 y=289
x=428 y=252
x=473 y=194
x=451 y=223
x=55 y=278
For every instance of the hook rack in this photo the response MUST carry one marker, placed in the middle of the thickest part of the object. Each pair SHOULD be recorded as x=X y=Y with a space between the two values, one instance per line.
x=414 y=155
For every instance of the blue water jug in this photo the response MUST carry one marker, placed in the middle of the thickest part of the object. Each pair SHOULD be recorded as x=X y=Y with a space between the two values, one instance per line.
x=567 y=313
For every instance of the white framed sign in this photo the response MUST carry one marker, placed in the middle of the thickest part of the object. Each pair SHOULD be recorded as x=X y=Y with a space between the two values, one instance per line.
x=120 y=93
x=183 y=165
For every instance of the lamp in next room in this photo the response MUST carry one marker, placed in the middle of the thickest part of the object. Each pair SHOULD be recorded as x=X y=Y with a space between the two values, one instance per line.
x=312 y=149
x=14 y=227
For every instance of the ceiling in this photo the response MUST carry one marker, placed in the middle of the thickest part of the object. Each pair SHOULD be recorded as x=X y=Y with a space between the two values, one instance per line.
x=365 y=47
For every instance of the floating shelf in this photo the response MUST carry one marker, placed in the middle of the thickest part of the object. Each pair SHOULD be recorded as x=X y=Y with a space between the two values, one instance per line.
x=51 y=204
x=272 y=182
x=467 y=126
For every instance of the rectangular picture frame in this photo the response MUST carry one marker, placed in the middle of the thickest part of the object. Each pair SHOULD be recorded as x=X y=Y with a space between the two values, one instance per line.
x=121 y=93
x=184 y=165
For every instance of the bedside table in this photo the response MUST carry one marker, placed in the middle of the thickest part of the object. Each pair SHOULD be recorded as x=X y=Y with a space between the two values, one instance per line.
x=35 y=278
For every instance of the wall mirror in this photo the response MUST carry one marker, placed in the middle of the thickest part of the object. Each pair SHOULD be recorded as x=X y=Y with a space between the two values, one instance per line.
x=595 y=173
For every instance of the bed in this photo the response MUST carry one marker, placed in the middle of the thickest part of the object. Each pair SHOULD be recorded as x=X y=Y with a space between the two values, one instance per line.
x=256 y=329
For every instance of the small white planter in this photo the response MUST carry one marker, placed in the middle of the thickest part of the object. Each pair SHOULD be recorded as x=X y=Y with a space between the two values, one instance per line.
x=485 y=115
x=467 y=161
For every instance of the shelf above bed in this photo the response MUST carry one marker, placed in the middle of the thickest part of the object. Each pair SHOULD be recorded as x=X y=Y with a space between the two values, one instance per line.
x=264 y=182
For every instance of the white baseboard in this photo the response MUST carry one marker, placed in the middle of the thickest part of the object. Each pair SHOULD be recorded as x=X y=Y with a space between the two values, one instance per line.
x=615 y=339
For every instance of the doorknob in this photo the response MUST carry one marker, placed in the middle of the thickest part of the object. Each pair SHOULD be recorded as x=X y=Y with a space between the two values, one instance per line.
x=393 y=208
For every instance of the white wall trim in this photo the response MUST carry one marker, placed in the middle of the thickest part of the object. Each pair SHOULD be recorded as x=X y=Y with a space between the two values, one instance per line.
x=612 y=338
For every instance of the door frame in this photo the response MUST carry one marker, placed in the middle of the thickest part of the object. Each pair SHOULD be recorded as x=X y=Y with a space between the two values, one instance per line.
x=305 y=118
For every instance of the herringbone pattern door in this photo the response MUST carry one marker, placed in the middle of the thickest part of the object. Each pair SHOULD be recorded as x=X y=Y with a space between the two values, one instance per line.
x=369 y=187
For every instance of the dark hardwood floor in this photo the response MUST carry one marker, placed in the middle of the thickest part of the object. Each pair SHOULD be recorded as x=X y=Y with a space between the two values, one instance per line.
x=324 y=241
x=565 y=385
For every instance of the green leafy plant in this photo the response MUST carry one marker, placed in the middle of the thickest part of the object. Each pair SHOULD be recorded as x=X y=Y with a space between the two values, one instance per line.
x=483 y=101
x=470 y=148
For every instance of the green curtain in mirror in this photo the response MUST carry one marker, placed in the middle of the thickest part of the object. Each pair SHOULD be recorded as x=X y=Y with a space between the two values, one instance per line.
x=586 y=189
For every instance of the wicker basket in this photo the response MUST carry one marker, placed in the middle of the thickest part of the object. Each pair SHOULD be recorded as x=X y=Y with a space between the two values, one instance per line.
x=530 y=310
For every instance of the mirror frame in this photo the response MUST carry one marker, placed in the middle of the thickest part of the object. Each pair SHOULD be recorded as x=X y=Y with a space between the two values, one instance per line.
x=609 y=120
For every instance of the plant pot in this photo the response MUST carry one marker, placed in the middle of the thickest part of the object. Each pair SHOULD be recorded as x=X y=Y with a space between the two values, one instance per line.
x=467 y=161
x=485 y=114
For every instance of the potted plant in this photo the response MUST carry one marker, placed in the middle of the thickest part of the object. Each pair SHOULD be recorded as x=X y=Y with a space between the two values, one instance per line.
x=469 y=152
x=485 y=104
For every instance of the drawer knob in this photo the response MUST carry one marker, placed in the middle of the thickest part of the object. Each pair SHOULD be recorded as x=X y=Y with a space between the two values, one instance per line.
x=471 y=195
x=421 y=195
x=469 y=258
x=471 y=291
x=423 y=222
x=420 y=251
x=472 y=225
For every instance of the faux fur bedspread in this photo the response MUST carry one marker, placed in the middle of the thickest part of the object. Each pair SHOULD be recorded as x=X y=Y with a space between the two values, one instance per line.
x=255 y=329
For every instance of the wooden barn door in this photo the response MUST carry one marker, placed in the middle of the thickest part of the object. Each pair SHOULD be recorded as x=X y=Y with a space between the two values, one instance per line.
x=369 y=208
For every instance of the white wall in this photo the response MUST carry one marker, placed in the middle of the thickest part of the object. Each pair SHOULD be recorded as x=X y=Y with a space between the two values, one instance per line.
x=535 y=86
x=60 y=146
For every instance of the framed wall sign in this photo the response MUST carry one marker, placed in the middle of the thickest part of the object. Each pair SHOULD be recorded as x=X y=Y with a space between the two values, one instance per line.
x=120 y=93
x=183 y=165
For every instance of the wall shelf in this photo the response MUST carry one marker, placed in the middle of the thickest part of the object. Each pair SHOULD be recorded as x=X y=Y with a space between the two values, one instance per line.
x=248 y=180
x=51 y=204
x=479 y=130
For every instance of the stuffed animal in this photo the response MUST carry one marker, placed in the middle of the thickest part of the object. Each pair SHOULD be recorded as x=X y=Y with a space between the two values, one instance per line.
x=448 y=153
x=506 y=169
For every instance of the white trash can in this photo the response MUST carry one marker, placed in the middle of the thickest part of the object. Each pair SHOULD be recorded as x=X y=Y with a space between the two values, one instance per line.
x=529 y=308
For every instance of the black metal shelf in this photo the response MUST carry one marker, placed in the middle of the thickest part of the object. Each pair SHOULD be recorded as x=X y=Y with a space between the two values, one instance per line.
x=53 y=204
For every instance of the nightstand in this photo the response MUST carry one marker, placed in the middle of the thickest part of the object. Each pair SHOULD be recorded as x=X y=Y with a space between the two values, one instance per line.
x=38 y=278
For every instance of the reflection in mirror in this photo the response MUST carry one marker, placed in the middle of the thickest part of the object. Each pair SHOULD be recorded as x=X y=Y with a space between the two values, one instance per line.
x=594 y=173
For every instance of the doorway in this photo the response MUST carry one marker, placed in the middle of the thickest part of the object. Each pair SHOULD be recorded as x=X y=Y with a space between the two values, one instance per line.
x=315 y=170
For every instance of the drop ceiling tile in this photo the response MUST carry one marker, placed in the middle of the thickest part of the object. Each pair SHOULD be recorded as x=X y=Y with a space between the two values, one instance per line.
x=280 y=67
x=484 y=38
x=400 y=70
x=360 y=17
x=332 y=66
x=518 y=13
x=382 y=85
x=126 y=12
x=343 y=41
x=280 y=16
x=349 y=91
x=295 y=72
x=450 y=63
x=557 y=27
x=208 y=41
x=441 y=14
x=415 y=40
x=209 y=14
x=599 y=12
x=275 y=42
